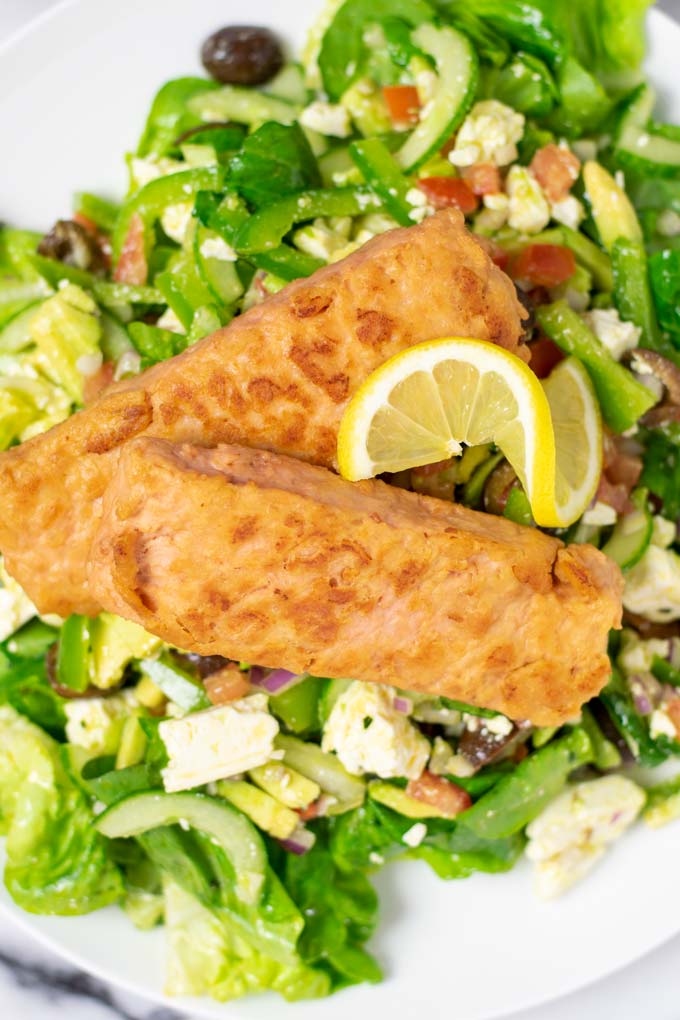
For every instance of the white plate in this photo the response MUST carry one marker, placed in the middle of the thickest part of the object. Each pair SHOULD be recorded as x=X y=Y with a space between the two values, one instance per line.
x=74 y=89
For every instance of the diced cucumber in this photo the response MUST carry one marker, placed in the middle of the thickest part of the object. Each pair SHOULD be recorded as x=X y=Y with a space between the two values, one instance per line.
x=336 y=167
x=16 y=335
x=457 y=73
x=632 y=534
x=219 y=274
x=288 y=84
x=245 y=106
x=262 y=809
x=638 y=146
x=324 y=769
x=232 y=831
x=285 y=784
x=115 y=340
x=176 y=684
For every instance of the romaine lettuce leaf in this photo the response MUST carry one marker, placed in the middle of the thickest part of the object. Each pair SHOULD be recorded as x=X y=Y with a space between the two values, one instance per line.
x=275 y=161
x=56 y=861
x=66 y=330
x=340 y=911
x=209 y=955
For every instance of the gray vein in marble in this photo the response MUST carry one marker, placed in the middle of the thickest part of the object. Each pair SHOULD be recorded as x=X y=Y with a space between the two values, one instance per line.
x=53 y=982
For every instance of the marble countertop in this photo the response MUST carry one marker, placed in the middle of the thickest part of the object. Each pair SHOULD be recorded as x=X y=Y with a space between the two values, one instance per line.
x=36 y=985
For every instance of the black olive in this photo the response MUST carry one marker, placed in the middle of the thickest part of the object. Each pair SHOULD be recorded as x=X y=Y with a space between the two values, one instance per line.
x=66 y=692
x=202 y=665
x=72 y=244
x=242 y=55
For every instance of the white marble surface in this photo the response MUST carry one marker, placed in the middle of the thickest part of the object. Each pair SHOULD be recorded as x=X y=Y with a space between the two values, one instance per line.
x=37 y=985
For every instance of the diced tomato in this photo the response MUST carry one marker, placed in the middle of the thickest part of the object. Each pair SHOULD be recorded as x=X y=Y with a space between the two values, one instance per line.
x=555 y=168
x=226 y=684
x=543 y=356
x=448 y=799
x=544 y=265
x=132 y=265
x=673 y=710
x=95 y=384
x=622 y=460
x=483 y=178
x=403 y=103
x=313 y=810
x=443 y=192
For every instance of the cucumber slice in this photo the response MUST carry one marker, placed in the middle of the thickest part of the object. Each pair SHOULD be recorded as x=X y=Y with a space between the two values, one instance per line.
x=457 y=71
x=637 y=145
x=245 y=106
x=15 y=335
x=233 y=832
x=219 y=274
x=632 y=534
x=324 y=769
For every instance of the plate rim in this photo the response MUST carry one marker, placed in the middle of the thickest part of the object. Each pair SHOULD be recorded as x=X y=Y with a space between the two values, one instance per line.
x=24 y=920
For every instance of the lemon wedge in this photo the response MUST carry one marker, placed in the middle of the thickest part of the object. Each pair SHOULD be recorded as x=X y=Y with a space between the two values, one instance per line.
x=577 y=427
x=422 y=404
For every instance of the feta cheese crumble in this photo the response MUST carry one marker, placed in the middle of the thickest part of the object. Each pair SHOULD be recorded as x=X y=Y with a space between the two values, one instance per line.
x=218 y=742
x=615 y=334
x=327 y=118
x=217 y=248
x=15 y=606
x=600 y=515
x=572 y=833
x=653 y=586
x=637 y=655
x=96 y=723
x=369 y=735
x=529 y=212
x=568 y=211
x=489 y=134
x=414 y=836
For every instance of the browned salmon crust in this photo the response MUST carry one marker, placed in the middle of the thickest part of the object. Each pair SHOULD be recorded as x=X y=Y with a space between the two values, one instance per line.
x=277 y=377
x=258 y=557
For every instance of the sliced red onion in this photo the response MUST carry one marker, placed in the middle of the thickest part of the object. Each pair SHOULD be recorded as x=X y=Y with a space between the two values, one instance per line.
x=402 y=704
x=674 y=652
x=299 y=842
x=276 y=682
x=646 y=691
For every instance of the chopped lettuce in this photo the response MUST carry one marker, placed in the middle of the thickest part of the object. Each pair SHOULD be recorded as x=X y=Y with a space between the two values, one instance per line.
x=209 y=955
x=66 y=330
x=340 y=910
x=56 y=861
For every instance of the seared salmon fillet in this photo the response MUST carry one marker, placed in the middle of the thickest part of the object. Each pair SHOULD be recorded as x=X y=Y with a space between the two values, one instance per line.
x=278 y=377
x=259 y=557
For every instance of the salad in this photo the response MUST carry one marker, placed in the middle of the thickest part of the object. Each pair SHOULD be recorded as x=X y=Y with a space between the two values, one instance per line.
x=243 y=808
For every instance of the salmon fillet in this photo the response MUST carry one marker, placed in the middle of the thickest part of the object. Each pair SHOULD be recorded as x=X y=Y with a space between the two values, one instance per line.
x=278 y=377
x=302 y=570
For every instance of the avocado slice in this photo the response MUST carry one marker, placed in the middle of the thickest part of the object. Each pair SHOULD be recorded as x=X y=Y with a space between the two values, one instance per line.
x=114 y=643
x=287 y=786
x=263 y=810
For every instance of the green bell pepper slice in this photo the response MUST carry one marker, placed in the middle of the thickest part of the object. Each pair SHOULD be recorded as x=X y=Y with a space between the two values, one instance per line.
x=73 y=654
x=519 y=797
x=622 y=398
x=384 y=176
